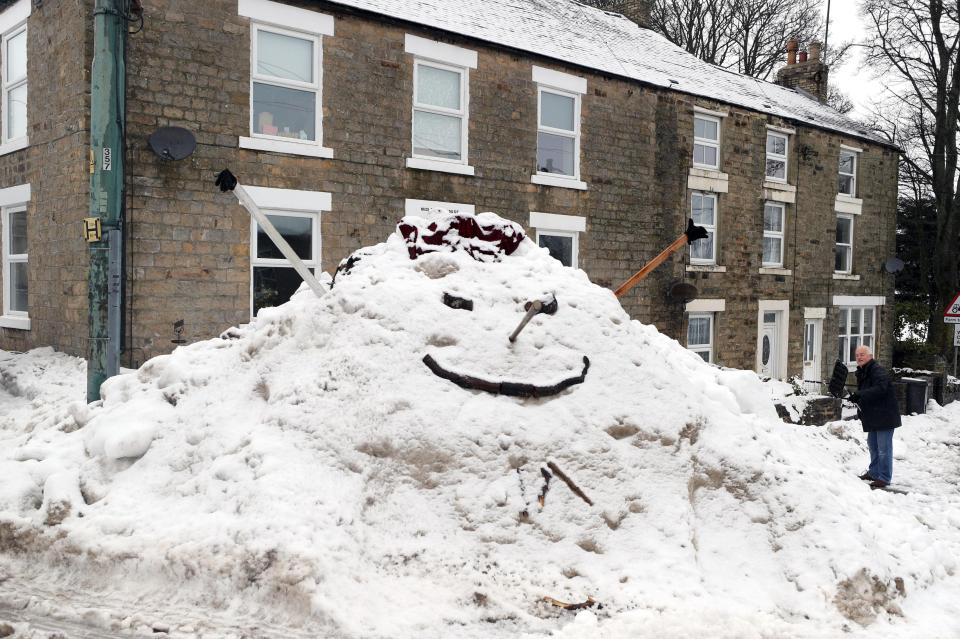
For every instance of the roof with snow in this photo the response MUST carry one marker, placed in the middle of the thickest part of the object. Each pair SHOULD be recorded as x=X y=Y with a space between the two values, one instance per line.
x=608 y=42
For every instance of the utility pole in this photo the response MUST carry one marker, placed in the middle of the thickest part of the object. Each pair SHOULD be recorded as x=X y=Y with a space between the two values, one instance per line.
x=107 y=120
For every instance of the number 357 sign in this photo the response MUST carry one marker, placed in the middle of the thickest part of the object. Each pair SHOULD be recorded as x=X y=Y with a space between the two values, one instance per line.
x=951 y=315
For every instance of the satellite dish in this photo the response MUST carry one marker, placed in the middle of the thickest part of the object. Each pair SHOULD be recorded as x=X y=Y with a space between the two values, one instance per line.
x=172 y=142
x=683 y=292
x=893 y=265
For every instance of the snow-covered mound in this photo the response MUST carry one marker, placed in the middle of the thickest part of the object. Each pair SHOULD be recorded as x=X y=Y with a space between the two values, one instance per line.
x=309 y=470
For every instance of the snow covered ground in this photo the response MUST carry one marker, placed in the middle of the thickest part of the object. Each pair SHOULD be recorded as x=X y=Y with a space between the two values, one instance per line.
x=309 y=476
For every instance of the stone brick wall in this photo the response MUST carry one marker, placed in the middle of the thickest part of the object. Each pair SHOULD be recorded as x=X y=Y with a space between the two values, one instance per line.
x=59 y=47
x=188 y=249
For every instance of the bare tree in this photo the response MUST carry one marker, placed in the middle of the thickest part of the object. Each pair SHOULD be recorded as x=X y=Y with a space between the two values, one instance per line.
x=914 y=44
x=760 y=28
x=839 y=100
x=747 y=36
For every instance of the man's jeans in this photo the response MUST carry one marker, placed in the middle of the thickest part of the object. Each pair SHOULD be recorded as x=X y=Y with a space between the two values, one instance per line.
x=881 y=454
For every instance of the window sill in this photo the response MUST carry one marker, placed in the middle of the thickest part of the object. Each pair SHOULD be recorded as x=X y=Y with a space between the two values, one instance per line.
x=779 y=192
x=774 y=270
x=846 y=276
x=706 y=268
x=703 y=179
x=439 y=165
x=14 y=145
x=10 y=321
x=290 y=148
x=562 y=182
x=848 y=204
x=779 y=186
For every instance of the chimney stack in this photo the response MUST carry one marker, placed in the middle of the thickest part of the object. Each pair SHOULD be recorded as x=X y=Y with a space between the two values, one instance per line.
x=809 y=73
x=636 y=10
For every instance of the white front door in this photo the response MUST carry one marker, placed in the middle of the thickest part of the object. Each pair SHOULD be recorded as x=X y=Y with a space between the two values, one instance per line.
x=812 y=341
x=769 y=344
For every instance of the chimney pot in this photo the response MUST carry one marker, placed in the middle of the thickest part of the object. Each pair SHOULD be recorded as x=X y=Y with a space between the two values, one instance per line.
x=803 y=56
x=815 y=51
x=792 y=46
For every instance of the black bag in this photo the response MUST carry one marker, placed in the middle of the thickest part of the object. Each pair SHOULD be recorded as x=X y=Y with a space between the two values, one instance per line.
x=839 y=379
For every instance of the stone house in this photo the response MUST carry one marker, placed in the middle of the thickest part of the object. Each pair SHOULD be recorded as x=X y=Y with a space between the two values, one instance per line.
x=598 y=136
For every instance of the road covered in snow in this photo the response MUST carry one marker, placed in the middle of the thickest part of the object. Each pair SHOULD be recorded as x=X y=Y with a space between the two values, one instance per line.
x=309 y=475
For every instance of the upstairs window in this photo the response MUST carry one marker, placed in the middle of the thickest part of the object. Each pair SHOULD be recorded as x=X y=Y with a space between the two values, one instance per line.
x=13 y=51
x=776 y=169
x=285 y=85
x=558 y=127
x=847 y=178
x=773 y=218
x=286 y=74
x=706 y=141
x=441 y=105
x=558 y=133
x=843 y=252
x=439 y=112
x=703 y=210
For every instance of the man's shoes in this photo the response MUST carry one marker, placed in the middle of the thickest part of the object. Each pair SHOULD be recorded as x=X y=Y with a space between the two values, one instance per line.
x=866 y=477
x=878 y=483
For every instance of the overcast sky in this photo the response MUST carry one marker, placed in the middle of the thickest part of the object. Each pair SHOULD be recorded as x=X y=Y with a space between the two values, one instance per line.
x=857 y=83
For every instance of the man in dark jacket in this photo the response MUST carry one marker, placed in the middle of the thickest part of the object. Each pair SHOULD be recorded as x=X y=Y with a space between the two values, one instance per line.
x=879 y=414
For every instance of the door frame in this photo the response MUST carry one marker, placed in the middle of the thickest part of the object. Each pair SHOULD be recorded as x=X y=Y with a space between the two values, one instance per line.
x=782 y=307
x=814 y=316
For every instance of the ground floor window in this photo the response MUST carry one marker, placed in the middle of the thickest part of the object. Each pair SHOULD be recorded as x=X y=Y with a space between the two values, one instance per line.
x=562 y=246
x=700 y=335
x=559 y=234
x=15 y=260
x=857 y=326
x=274 y=279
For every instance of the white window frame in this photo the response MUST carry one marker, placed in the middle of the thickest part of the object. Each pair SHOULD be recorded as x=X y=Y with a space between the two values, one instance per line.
x=844 y=337
x=294 y=203
x=706 y=142
x=551 y=224
x=849 y=247
x=290 y=21
x=776 y=156
x=777 y=235
x=707 y=348
x=14 y=199
x=853 y=176
x=313 y=263
x=708 y=227
x=448 y=58
x=13 y=22
x=568 y=86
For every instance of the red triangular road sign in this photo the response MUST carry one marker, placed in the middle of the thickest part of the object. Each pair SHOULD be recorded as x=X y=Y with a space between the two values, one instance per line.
x=953 y=308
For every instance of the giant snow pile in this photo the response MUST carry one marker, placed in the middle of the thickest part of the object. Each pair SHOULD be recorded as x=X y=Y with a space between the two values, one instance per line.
x=310 y=470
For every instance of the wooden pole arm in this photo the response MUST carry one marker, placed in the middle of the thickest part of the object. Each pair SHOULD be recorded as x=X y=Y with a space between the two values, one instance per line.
x=692 y=234
x=649 y=266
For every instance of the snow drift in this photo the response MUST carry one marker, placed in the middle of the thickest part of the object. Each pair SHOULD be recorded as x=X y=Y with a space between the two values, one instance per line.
x=310 y=470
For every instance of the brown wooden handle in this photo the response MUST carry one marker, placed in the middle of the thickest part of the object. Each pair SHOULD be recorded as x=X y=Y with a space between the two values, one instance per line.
x=649 y=266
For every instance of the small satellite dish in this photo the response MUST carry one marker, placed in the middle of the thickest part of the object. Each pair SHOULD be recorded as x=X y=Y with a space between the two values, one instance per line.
x=893 y=265
x=683 y=292
x=172 y=142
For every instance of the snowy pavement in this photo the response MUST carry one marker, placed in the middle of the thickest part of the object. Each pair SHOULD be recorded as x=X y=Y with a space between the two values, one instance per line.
x=308 y=475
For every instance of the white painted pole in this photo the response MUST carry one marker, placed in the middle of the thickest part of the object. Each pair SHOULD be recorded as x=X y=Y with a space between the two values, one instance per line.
x=281 y=243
